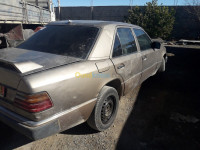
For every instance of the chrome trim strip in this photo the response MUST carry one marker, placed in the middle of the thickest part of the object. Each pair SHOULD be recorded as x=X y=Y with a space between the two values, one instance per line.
x=30 y=123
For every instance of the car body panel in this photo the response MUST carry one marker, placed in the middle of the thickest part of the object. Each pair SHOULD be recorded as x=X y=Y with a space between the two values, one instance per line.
x=73 y=84
x=149 y=64
x=130 y=71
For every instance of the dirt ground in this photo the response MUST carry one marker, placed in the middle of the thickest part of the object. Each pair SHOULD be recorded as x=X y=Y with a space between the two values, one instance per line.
x=165 y=116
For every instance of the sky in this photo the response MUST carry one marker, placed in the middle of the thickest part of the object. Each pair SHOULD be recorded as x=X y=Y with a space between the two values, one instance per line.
x=114 y=2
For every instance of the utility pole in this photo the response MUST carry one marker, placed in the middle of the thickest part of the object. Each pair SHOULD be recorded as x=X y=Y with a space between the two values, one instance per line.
x=49 y=4
x=92 y=9
x=59 y=15
x=36 y=2
x=175 y=2
x=131 y=4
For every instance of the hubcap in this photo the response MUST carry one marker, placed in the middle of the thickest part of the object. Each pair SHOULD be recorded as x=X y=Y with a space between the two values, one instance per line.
x=107 y=109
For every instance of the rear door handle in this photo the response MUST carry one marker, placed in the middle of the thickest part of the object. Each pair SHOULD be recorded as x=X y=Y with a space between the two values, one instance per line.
x=144 y=58
x=120 y=66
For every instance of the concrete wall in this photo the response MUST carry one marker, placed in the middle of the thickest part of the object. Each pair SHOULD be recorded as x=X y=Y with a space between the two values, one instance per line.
x=186 y=26
x=108 y=13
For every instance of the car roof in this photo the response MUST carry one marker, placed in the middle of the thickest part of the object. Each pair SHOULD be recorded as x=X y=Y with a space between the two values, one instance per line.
x=96 y=23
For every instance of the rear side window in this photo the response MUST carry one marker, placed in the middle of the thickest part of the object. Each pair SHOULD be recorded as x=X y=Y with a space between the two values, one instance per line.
x=68 y=40
x=117 y=50
x=127 y=40
x=143 y=39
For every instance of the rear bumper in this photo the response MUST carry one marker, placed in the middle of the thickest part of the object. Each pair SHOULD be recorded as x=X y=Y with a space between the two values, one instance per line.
x=33 y=133
x=52 y=125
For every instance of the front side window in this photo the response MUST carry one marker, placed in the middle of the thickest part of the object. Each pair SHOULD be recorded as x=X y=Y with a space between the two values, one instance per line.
x=74 y=41
x=143 y=39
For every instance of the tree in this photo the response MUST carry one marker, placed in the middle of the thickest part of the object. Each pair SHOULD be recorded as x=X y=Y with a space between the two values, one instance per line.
x=193 y=8
x=156 y=20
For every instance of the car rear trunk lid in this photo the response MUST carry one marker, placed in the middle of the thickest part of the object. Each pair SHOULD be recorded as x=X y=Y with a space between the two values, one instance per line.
x=26 y=62
x=16 y=63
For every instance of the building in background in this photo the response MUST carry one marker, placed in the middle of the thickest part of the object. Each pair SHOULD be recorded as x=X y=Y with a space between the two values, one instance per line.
x=20 y=18
x=42 y=3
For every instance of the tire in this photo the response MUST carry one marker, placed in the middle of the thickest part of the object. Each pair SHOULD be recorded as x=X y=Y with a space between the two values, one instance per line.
x=105 y=110
x=162 y=67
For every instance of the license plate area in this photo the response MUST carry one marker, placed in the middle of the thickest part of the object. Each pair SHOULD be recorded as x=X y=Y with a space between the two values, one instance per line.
x=2 y=91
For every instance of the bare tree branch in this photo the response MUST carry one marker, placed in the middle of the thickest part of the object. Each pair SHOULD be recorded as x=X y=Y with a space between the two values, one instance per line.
x=193 y=7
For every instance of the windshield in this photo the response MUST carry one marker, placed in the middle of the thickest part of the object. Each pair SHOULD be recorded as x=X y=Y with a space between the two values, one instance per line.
x=75 y=41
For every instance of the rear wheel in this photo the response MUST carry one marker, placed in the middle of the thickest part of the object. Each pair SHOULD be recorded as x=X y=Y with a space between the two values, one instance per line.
x=105 y=110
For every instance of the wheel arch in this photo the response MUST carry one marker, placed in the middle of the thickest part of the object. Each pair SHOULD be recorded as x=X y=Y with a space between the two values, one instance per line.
x=116 y=83
x=165 y=57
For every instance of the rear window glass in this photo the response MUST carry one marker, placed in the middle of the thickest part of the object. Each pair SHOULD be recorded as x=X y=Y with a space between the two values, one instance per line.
x=75 y=41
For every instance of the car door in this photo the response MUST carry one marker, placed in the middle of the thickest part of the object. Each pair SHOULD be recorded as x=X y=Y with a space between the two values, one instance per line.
x=126 y=58
x=149 y=59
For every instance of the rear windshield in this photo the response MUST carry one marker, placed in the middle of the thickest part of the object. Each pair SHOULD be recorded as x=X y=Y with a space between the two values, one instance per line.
x=75 y=41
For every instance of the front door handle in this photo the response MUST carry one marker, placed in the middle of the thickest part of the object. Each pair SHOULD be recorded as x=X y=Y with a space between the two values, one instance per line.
x=120 y=66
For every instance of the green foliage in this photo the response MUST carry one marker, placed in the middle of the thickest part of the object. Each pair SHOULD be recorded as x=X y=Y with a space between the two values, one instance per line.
x=156 y=20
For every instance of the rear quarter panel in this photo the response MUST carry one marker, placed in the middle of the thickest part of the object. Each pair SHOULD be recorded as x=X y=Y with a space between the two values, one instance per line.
x=65 y=86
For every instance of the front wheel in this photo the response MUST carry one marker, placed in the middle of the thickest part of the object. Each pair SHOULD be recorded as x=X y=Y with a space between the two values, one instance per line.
x=162 y=67
x=105 y=110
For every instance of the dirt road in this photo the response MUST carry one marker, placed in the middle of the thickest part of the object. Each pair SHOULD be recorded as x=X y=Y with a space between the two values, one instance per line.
x=166 y=115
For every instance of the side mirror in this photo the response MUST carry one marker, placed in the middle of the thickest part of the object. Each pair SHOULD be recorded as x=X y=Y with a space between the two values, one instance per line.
x=155 y=45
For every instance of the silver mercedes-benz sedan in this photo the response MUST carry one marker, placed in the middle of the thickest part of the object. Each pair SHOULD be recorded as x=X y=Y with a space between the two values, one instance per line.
x=70 y=72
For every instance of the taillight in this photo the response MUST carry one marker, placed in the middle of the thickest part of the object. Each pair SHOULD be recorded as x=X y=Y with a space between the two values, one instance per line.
x=2 y=91
x=33 y=103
